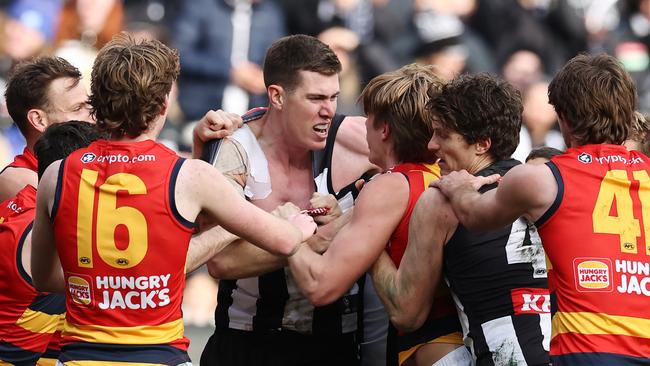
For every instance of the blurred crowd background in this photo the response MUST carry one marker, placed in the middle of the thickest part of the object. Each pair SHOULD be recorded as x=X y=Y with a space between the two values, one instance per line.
x=222 y=45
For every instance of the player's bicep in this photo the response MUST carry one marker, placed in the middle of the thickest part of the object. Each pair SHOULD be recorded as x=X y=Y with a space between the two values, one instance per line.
x=521 y=192
x=44 y=257
x=14 y=180
x=432 y=222
x=377 y=212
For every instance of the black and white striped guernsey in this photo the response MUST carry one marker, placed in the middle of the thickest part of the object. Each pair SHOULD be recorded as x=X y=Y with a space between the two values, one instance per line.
x=498 y=281
x=273 y=301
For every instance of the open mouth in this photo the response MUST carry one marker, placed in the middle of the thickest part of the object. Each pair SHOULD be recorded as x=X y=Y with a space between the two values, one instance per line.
x=321 y=129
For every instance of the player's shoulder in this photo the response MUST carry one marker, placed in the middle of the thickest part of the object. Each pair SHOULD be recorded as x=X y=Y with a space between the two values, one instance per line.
x=523 y=173
x=352 y=133
x=14 y=179
x=386 y=188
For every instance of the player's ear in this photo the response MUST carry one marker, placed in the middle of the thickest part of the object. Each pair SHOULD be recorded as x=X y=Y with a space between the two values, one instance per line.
x=385 y=131
x=483 y=146
x=38 y=119
x=276 y=96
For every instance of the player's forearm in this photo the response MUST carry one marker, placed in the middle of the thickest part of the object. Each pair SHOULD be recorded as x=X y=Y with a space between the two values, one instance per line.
x=326 y=233
x=206 y=245
x=197 y=146
x=242 y=259
x=467 y=207
x=270 y=233
x=310 y=271
x=398 y=294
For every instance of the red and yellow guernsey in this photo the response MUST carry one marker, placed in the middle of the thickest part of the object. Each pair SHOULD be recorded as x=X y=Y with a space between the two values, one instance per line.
x=28 y=318
x=123 y=247
x=442 y=325
x=597 y=239
x=25 y=160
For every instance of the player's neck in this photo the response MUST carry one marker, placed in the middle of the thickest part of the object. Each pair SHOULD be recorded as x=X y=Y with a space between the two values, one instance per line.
x=278 y=144
x=481 y=162
x=390 y=162
x=150 y=134
x=30 y=140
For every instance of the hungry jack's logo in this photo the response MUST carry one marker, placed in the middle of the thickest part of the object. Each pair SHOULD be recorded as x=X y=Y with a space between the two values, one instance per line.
x=593 y=274
x=80 y=290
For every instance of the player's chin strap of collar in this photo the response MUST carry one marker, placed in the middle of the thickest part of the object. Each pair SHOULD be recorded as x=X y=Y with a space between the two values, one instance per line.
x=211 y=148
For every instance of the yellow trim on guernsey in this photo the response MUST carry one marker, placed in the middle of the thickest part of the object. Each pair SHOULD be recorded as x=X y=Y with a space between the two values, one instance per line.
x=145 y=334
x=451 y=338
x=38 y=322
x=600 y=323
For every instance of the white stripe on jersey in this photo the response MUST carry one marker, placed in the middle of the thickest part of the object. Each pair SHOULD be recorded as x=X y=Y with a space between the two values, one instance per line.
x=501 y=340
x=545 y=326
x=464 y=322
x=245 y=295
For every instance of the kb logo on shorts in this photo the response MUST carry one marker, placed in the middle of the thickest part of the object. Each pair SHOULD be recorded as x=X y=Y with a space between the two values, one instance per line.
x=88 y=158
x=585 y=158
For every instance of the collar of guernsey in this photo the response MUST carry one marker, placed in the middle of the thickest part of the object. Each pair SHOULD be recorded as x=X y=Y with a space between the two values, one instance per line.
x=25 y=160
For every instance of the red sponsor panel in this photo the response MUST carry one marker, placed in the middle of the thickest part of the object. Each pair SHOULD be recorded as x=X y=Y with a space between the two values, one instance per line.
x=531 y=301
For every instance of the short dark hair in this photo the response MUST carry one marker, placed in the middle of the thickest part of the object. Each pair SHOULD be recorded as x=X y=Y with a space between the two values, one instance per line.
x=129 y=84
x=28 y=86
x=291 y=54
x=544 y=152
x=596 y=97
x=481 y=106
x=61 y=139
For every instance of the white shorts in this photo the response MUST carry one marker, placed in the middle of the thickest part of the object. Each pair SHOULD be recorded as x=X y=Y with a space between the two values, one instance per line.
x=458 y=357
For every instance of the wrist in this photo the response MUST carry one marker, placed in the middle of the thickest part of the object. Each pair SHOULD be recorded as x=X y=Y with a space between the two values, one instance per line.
x=294 y=250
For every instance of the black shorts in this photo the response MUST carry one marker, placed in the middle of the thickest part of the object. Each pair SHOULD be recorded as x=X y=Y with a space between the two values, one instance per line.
x=231 y=347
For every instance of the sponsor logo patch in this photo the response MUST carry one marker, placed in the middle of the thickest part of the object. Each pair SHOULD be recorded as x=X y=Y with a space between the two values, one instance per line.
x=88 y=158
x=531 y=300
x=593 y=274
x=79 y=290
x=585 y=158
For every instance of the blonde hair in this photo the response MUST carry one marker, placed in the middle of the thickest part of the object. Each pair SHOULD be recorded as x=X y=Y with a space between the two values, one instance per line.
x=399 y=98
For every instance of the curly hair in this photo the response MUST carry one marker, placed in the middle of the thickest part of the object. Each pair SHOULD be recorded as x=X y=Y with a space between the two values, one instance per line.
x=299 y=52
x=399 y=99
x=596 y=98
x=130 y=83
x=481 y=106
x=29 y=83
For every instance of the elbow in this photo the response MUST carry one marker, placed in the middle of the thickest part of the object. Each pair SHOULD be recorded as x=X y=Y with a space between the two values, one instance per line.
x=39 y=285
x=219 y=269
x=42 y=285
x=408 y=322
x=466 y=218
x=321 y=296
